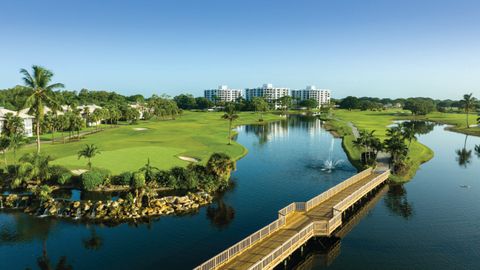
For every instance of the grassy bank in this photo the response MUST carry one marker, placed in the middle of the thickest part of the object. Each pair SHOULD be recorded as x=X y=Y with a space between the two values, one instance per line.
x=456 y=120
x=378 y=121
x=127 y=147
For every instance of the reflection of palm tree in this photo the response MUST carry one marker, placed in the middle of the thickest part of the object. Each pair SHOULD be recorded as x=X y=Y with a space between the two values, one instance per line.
x=43 y=262
x=396 y=201
x=464 y=156
x=477 y=150
x=220 y=215
x=94 y=242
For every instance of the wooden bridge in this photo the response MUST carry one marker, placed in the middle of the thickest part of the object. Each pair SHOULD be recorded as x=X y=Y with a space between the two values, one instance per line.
x=296 y=224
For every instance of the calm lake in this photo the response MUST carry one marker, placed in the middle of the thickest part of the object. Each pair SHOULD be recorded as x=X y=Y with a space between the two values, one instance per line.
x=432 y=222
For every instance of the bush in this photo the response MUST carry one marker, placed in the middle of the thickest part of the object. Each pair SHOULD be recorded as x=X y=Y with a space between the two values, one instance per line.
x=185 y=178
x=91 y=180
x=60 y=175
x=138 y=180
x=123 y=179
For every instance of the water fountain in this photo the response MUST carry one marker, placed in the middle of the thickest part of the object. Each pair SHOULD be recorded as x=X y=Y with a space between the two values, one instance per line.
x=330 y=164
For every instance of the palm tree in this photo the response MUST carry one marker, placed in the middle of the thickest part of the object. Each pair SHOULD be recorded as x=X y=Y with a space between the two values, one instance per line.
x=41 y=90
x=4 y=146
x=468 y=103
x=149 y=171
x=221 y=165
x=231 y=116
x=409 y=134
x=49 y=123
x=89 y=152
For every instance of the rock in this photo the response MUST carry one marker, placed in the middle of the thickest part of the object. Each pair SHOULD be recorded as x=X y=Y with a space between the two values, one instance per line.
x=76 y=204
x=182 y=200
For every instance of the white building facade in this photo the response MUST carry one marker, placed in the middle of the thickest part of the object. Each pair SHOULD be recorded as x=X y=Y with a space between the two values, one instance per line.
x=27 y=121
x=268 y=92
x=322 y=96
x=223 y=93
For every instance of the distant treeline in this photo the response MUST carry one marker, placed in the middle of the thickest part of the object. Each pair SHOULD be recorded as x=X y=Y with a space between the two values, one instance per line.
x=14 y=99
x=418 y=105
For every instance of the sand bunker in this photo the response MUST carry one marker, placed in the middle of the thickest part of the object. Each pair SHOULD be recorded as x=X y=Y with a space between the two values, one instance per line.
x=140 y=129
x=78 y=172
x=190 y=159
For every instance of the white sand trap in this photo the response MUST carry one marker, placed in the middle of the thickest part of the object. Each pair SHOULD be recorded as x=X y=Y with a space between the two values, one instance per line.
x=78 y=171
x=190 y=159
x=140 y=129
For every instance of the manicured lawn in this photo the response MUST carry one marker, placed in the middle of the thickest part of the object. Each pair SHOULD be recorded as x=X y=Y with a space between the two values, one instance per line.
x=457 y=120
x=125 y=148
x=378 y=121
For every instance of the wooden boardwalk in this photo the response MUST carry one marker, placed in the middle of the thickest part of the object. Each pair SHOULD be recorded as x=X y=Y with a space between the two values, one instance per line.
x=296 y=224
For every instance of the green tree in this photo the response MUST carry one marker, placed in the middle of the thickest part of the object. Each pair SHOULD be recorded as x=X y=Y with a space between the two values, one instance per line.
x=285 y=103
x=260 y=106
x=349 y=103
x=408 y=133
x=309 y=103
x=395 y=145
x=149 y=171
x=230 y=115
x=468 y=103
x=220 y=165
x=89 y=152
x=41 y=91
x=132 y=115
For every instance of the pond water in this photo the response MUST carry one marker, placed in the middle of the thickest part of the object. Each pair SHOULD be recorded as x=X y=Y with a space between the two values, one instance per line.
x=432 y=222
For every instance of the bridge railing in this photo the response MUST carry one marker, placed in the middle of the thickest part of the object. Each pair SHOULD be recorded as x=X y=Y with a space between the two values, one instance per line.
x=336 y=189
x=242 y=245
x=350 y=199
x=292 y=243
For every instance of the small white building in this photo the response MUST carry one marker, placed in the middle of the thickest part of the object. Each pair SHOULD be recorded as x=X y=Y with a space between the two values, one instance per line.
x=223 y=93
x=27 y=121
x=88 y=110
x=322 y=96
x=141 y=108
x=268 y=92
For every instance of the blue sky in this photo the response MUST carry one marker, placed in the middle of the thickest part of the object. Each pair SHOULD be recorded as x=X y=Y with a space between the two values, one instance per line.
x=364 y=48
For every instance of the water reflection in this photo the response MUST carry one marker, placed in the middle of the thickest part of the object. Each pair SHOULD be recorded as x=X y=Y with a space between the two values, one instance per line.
x=23 y=228
x=267 y=131
x=420 y=127
x=44 y=262
x=397 y=203
x=464 y=155
x=94 y=241
x=220 y=213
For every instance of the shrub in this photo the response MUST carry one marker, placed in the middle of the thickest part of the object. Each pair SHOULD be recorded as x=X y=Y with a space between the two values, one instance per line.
x=91 y=180
x=123 y=179
x=185 y=178
x=164 y=179
x=60 y=175
x=138 y=180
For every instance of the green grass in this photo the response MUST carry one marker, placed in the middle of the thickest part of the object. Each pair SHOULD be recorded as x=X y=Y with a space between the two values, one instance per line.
x=194 y=134
x=457 y=120
x=378 y=121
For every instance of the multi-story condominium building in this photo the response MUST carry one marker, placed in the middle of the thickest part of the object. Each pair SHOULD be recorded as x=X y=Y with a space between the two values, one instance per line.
x=322 y=96
x=268 y=92
x=223 y=93
x=27 y=121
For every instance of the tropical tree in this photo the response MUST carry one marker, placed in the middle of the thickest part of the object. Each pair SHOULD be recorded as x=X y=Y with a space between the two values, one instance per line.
x=260 y=106
x=408 y=132
x=4 y=146
x=132 y=115
x=230 y=115
x=32 y=166
x=41 y=91
x=285 y=103
x=50 y=123
x=149 y=171
x=89 y=152
x=62 y=124
x=395 y=145
x=468 y=103
x=221 y=165
x=97 y=116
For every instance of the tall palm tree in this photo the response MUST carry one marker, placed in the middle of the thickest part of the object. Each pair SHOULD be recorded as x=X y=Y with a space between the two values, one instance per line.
x=4 y=146
x=41 y=91
x=468 y=104
x=89 y=152
x=230 y=115
x=409 y=134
